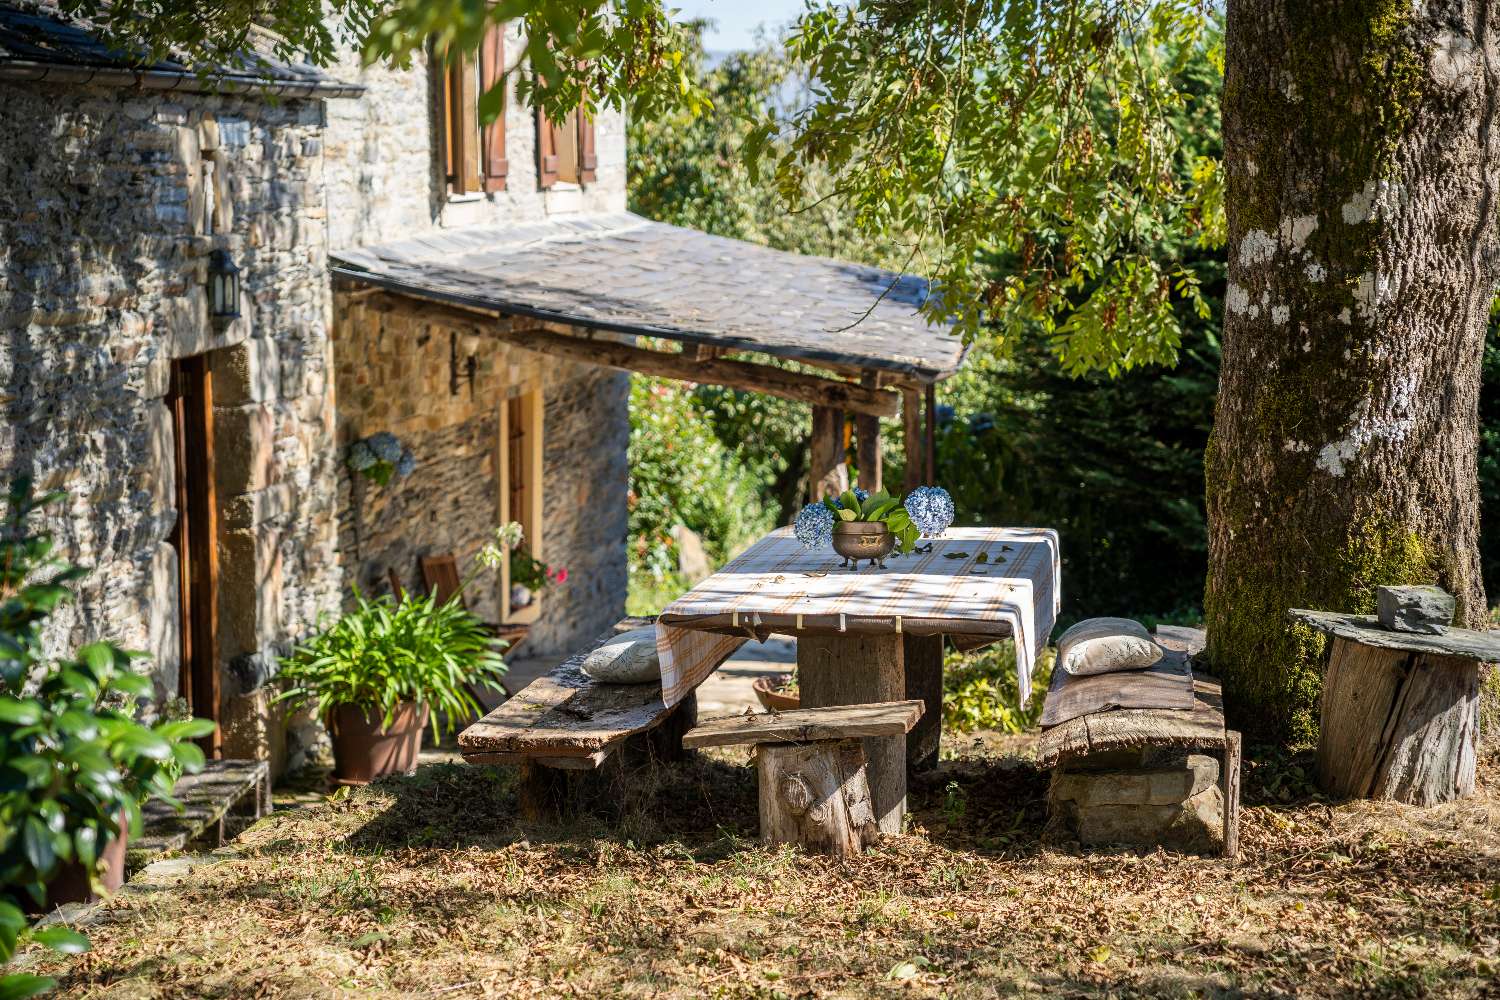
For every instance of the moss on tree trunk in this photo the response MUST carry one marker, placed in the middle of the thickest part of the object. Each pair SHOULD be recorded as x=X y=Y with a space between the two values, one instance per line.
x=1362 y=263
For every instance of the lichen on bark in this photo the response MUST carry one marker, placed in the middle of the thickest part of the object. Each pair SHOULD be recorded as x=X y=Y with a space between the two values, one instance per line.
x=1362 y=262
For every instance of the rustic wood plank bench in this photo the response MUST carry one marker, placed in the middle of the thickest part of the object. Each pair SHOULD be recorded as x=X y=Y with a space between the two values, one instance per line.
x=810 y=764
x=1104 y=717
x=217 y=804
x=565 y=721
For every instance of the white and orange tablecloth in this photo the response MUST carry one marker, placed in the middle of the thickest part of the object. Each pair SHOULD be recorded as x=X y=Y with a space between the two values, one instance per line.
x=974 y=584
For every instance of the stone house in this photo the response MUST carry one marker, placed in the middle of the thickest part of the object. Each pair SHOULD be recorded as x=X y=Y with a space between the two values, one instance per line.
x=476 y=291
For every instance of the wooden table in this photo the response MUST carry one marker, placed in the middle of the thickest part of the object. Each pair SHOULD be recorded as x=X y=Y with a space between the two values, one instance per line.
x=870 y=635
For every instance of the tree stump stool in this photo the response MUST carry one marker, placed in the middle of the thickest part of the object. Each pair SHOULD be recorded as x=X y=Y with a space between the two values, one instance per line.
x=810 y=765
x=1400 y=709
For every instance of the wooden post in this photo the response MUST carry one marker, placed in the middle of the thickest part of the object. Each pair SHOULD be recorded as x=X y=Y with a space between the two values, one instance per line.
x=867 y=431
x=924 y=682
x=912 y=444
x=1398 y=724
x=1229 y=786
x=815 y=795
x=861 y=669
x=929 y=461
x=827 y=474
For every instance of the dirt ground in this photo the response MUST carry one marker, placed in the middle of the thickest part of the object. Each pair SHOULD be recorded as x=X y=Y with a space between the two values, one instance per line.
x=429 y=886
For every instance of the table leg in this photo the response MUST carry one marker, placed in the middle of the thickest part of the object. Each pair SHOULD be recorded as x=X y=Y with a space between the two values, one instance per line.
x=862 y=669
x=924 y=683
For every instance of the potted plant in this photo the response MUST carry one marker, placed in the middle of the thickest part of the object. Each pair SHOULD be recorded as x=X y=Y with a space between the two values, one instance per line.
x=379 y=673
x=777 y=692
x=869 y=526
x=75 y=762
x=529 y=576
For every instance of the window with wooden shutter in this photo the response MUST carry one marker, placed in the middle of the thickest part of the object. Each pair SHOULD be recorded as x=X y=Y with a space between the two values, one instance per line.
x=520 y=489
x=546 y=151
x=588 y=162
x=565 y=150
x=491 y=73
x=459 y=98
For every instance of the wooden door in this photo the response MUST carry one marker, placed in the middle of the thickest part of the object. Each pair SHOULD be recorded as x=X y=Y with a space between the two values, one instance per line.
x=196 y=539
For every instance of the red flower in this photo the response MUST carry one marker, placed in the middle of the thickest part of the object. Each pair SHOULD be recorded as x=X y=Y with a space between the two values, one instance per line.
x=561 y=575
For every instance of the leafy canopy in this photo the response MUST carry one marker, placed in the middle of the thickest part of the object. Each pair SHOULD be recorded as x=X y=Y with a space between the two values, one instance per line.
x=953 y=131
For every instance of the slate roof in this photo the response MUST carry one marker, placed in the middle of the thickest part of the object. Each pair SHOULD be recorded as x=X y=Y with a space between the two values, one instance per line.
x=627 y=274
x=38 y=45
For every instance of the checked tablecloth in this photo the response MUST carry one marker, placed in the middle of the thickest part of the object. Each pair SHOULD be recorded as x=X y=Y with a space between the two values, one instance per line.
x=976 y=585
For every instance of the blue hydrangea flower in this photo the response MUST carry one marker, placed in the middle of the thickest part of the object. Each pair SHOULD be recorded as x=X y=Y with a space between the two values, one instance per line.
x=407 y=464
x=360 y=457
x=385 y=446
x=931 y=510
x=814 y=526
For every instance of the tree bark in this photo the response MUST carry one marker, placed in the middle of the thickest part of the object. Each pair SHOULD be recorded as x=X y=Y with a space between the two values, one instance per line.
x=815 y=795
x=1362 y=263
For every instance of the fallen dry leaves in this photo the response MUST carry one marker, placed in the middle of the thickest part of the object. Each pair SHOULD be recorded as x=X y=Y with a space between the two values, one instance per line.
x=429 y=886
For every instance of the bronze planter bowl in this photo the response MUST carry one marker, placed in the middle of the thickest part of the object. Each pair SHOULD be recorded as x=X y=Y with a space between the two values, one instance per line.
x=856 y=540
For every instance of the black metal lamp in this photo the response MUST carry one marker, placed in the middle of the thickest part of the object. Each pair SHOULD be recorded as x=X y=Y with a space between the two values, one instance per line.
x=223 y=286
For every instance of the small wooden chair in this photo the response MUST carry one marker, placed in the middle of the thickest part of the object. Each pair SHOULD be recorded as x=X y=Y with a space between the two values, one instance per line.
x=811 y=767
x=440 y=574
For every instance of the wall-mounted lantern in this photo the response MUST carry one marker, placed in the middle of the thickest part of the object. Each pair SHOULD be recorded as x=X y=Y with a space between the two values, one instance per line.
x=470 y=365
x=223 y=286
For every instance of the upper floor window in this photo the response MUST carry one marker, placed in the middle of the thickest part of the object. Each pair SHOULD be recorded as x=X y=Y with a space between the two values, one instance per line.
x=473 y=155
x=565 y=150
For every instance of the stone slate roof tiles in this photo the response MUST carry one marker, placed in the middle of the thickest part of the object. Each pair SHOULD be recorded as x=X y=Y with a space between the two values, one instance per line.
x=37 y=44
x=627 y=274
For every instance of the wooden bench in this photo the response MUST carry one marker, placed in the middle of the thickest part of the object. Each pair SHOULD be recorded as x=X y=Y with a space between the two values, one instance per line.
x=1114 y=714
x=567 y=722
x=218 y=803
x=810 y=764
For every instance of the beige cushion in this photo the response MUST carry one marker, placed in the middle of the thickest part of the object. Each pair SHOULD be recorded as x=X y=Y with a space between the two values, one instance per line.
x=1103 y=645
x=628 y=658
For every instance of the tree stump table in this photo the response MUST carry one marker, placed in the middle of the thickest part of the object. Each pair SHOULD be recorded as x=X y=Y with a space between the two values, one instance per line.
x=1400 y=709
x=811 y=767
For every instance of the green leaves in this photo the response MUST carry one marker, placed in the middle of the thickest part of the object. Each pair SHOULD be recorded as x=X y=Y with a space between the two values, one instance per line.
x=73 y=756
x=383 y=654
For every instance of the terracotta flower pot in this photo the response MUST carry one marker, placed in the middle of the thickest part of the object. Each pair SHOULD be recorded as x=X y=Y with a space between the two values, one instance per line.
x=364 y=751
x=770 y=698
x=70 y=884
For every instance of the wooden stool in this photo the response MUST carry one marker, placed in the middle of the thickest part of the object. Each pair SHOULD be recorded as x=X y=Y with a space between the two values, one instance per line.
x=811 y=768
x=1400 y=710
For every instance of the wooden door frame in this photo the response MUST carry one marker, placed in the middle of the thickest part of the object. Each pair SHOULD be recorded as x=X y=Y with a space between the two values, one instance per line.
x=196 y=538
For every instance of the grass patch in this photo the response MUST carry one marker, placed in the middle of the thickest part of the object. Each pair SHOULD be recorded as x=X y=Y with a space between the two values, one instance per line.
x=430 y=886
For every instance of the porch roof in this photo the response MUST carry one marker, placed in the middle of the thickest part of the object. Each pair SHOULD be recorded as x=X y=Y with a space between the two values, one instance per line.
x=622 y=273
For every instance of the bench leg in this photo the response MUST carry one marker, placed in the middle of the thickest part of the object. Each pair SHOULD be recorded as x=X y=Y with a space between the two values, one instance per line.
x=1229 y=775
x=665 y=741
x=815 y=795
x=541 y=792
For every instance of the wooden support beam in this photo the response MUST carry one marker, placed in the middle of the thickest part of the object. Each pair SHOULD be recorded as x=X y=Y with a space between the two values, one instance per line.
x=867 y=434
x=796 y=386
x=924 y=683
x=930 y=459
x=827 y=474
x=912 y=443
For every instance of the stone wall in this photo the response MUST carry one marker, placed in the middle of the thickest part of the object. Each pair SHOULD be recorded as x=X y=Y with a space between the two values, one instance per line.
x=394 y=374
x=107 y=215
x=384 y=174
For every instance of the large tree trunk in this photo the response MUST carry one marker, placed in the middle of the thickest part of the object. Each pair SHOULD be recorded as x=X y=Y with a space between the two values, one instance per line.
x=1362 y=263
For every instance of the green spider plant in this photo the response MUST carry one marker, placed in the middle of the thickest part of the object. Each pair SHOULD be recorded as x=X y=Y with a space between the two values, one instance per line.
x=383 y=654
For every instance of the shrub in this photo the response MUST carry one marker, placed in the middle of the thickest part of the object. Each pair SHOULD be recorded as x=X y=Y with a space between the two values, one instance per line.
x=682 y=474
x=74 y=759
x=980 y=689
